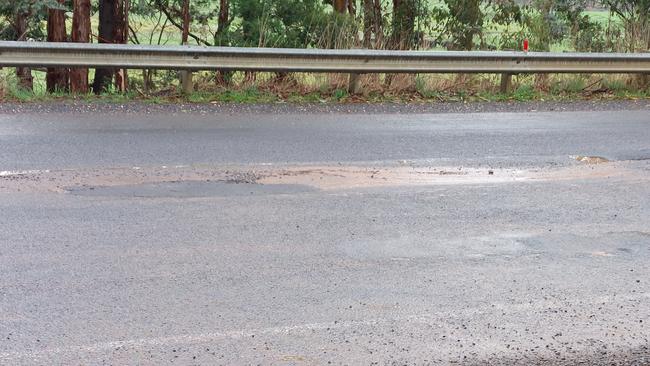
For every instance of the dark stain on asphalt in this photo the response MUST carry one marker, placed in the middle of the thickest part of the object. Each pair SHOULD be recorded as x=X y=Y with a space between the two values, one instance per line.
x=189 y=189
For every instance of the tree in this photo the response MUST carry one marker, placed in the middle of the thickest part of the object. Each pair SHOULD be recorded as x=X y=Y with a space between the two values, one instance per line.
x=56 y=78
x=113 y=26
x=224 y=21
x=636 y=21
x=21 y=20
x=462 y=21
x=24 y=74
x=80 y=34
x=221 y=36
x=279 y=23
x=121 y=37
x=186 y=22
x=403 y=27
x=340 y=6
x=372 y=24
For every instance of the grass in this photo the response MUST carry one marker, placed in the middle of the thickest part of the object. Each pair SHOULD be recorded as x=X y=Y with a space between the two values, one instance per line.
x=331 y=88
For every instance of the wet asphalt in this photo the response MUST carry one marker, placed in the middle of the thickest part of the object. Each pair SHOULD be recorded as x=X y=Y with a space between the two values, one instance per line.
x=209 y=273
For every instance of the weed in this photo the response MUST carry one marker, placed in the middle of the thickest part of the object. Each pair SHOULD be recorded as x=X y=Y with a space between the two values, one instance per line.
x=524 y=93
x=615 y=85
x=339 y=94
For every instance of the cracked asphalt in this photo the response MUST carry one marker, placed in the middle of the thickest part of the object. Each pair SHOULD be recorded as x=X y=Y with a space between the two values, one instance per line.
x=309 y=235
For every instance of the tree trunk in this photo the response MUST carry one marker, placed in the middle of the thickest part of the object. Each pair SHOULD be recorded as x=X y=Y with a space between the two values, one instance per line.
x=224 y=19
x=378 y=27
x=56 y=78
x=106 y=32
x=113 y=28
x=80 y=34
x=368 y=10
x=352 y=10
x=221 y=77
x=403 y=33
x=121 y=37
x=24 y=74
x=372 y=24
x=186 y=22
x=186 y=75
x=340 y=6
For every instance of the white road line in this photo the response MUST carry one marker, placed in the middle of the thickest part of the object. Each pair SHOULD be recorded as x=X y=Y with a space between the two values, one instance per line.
x=432 y=318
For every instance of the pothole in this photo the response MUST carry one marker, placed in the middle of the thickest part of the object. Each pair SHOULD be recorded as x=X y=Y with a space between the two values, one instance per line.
x=347 y=177
x=189 y=189
x=189 y=181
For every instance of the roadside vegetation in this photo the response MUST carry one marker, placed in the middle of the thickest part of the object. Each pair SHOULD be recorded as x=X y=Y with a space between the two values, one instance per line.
x=549 y=25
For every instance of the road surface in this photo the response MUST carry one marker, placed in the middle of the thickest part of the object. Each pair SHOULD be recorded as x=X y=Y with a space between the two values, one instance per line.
x=307 y=237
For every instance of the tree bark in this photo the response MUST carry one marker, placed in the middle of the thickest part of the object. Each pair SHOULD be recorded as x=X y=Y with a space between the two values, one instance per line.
x=113 y=28
x=352 y=10
x=80 y=34
x=186 y=22
x=106 y=32
x=56 y=78
x=121 y=37
x=340 y=6
x=24 y=74
x=378 y=27
x=224 y=19
x=372 y=24
x=403 y=32
x=221 y=77
x=186 y=75
x=368 y=17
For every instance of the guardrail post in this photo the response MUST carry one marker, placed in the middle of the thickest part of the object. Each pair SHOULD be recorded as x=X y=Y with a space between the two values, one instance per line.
x=506 y=81
x=186 y=82
x=354 y=86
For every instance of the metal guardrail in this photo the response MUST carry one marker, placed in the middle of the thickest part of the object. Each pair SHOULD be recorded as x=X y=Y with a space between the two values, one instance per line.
x=35 y=54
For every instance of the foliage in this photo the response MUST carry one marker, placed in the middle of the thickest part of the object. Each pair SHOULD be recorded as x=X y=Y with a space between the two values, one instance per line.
x=636 y=20
x=277 y=23
x=34 y=13
x=398 y=24
x=463 y=22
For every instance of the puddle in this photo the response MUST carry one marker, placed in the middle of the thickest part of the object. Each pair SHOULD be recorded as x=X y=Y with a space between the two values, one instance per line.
x=190 y=189
x=328 y=178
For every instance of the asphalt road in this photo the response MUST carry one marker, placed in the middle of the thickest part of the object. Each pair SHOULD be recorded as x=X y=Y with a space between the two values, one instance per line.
x=306 y=237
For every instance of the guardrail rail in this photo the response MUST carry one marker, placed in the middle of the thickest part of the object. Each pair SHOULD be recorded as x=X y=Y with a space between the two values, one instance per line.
x=355 y=61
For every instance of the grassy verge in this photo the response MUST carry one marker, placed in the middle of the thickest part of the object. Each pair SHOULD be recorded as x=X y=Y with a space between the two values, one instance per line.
x=331 y=88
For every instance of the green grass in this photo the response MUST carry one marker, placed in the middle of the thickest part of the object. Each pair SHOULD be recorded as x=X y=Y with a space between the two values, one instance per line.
x=571 y=85
x=339 y=94
x=523 y=93
x=314 y=88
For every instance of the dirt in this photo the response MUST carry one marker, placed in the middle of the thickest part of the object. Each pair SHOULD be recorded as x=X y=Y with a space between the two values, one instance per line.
x=307 y=108
x=591 y=159
x=318 y=177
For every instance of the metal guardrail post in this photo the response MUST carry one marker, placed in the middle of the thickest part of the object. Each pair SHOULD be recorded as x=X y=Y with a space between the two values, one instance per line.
x=187 y=87
x=354 y=84
x=506 y=82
